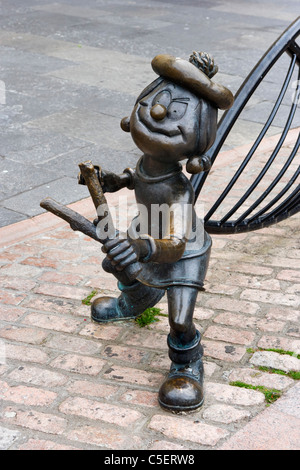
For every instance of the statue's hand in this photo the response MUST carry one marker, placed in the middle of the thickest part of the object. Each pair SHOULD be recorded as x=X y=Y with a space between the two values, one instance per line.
x=121 y=252
x=81 y=179
x=109 y=181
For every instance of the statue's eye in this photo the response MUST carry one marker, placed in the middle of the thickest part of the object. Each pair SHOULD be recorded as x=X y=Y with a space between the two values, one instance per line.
x=163 y=97
x=176 y=110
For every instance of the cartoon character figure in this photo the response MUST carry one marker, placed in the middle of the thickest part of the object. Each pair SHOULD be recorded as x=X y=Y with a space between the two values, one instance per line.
x=174 y=118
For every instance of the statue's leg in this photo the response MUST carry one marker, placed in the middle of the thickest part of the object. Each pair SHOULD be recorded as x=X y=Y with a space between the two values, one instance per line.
x=134 y=299
x=183 y=388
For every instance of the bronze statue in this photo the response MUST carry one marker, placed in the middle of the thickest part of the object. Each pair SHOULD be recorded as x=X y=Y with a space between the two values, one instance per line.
x=174 y=118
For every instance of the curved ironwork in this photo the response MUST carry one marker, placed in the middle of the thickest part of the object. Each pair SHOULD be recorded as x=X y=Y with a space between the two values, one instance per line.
x=286 y=43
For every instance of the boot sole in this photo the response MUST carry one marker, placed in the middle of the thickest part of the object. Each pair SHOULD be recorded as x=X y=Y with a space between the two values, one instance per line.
x=178 y=409
x=110 y=320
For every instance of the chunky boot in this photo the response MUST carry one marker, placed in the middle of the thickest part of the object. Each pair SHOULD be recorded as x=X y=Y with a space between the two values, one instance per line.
x=183 y=389
x=133 y=301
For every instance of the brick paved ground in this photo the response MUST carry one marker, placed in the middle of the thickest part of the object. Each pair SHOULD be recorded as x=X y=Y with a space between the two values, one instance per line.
x=71 y=70
x=68 y=383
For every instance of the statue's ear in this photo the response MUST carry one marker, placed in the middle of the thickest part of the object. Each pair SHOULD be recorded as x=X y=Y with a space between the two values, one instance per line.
x=193 y=165
x=197 y=164
x=125 y=124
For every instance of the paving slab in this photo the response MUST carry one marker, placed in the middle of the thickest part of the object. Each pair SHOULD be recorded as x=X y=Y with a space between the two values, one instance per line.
x=70 y=72
x=7 y=438
x=8 y=217
x=276 y=428
x=33 y=197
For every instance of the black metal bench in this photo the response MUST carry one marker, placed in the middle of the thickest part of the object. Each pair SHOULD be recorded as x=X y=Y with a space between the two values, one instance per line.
x=286 y=200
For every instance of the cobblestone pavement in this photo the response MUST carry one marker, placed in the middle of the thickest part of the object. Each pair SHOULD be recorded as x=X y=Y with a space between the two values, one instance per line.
x=69 y=383
x=68 y=73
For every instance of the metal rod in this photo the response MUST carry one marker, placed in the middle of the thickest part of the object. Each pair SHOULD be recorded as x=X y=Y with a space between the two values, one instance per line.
x=273 y=155
x=282 y=192
x=293 y=197
x=272 y=185
x=285 y=43
x=252 y=151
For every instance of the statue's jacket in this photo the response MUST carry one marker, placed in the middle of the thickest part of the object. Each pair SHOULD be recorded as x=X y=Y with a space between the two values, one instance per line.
x=154 y=195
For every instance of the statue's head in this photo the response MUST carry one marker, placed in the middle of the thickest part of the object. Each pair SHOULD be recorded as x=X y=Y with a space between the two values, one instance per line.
x=175 y=117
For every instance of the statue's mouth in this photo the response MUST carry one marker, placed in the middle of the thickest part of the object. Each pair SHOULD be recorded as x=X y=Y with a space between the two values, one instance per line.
x=153 y=127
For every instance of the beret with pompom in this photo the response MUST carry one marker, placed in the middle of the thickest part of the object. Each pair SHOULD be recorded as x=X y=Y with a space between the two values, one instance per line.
x=194 y=75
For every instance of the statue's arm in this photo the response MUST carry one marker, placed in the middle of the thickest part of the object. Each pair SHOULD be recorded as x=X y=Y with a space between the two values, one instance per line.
x=111 y=182
x=162 y=250
x=171 y=247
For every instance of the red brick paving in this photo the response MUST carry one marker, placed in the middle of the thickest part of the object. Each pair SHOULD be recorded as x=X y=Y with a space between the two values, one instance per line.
x=68 y=383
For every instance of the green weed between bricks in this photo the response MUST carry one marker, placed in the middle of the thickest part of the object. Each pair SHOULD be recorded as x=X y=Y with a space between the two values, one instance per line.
x=146 y=318
x=87 y=300
x=279 y=351
x=149 y=316
x=271 y=395
x=292 y=374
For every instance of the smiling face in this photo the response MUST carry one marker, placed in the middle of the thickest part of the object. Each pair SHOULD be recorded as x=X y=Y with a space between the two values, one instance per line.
x=164 y=123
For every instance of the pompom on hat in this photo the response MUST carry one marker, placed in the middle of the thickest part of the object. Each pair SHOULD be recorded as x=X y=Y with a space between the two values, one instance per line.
x=194 y=76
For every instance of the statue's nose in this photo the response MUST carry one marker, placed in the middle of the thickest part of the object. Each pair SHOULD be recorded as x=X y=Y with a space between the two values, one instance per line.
x=158 y=112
